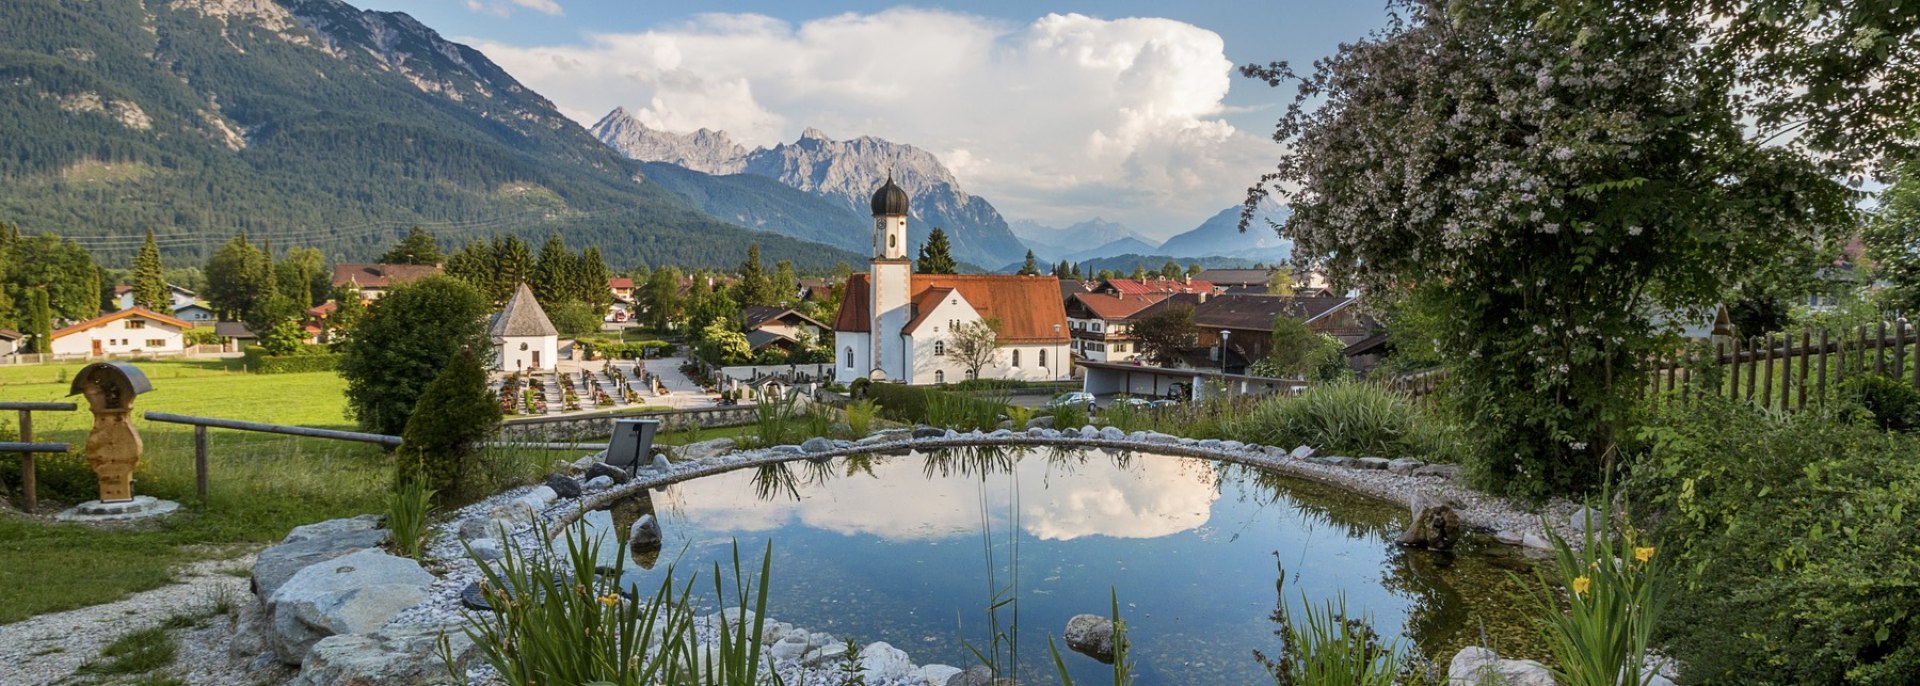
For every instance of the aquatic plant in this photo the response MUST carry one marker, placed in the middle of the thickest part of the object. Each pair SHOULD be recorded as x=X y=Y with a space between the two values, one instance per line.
x=1615 y=595
x=1329 y=646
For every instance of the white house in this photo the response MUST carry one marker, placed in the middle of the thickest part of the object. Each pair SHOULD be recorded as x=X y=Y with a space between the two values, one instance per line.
x=523 y=336
x=132 y=331
x=180 y=297
x=895 y=325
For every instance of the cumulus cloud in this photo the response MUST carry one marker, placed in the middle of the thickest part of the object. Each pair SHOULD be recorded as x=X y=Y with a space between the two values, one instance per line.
x=1059 y=119
x=502 y=8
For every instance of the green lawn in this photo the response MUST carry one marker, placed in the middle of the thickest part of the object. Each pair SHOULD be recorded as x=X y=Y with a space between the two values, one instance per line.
x=262 y=485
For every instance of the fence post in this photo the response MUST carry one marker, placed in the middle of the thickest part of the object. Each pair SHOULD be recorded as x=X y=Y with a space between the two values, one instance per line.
x=29 y=483
x=1860 y=356
x=1879 y=347
x=1822 y=397
x=200 y=462
x=1733 y=387
x=1753 y=368
x=1899 y=349
x=1806 y=354
x=1766 y=387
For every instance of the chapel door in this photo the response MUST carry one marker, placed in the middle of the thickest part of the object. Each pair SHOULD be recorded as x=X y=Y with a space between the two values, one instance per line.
x=536 y=359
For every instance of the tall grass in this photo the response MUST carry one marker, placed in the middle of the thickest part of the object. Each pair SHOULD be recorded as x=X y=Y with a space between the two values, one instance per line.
x=1329 y=647
x=860 y=416
x=1347 y=418
x=407 y=511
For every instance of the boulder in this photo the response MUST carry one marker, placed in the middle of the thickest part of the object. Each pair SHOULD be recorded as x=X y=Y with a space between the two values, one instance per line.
x=351 y=594
x=1232 y=445
x=929 y=432
x=1113 y=433
x=1450 y=472
x=932 y=675
x=602 y=469
x=1002 y=432
x=978 y=675
x=596 y=484
x=1301 y=453
x=1371 y=463
x=826 y=654
x=883 y=663
x=1208 y=444
x=1474 y=666
x=1585 y=517
x=397 y=656
x=660 y=462
x=1435 y=525
x=1404 y=465
x=485 y=549
x=645 y=533
x=313 y=543
x=1335 y=461
x=817 y=444
x=563 y=486
x=790 y=647
x=1092 y=636
x=1044 y=421
x=705 y=450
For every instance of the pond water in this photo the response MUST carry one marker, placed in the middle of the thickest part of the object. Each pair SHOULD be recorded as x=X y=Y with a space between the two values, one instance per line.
x=914 y=548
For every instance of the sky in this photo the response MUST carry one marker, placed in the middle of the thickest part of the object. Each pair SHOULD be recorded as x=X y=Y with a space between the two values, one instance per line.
x=1054 y=112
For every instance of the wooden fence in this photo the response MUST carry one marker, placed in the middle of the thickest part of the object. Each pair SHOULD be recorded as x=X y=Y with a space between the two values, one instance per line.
x=1782 y=371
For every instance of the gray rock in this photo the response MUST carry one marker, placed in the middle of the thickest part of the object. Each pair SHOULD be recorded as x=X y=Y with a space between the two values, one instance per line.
x=1044 y=421
x=1001 y=433
x=1371 y=463
x=1474 y=666
x=1209 y=444
x=951 y=434
x=351 y=594
x=790 y=647
x=929 y=432
x=883 y=663
x=1536 y=541
x=1435 y=525
x=645 y=532
x=1404 y=465
x=542 y=494
x=1509 y=537
x=1301 y=453
x=1113 y=433
x=1092 y=636
x=817 y=444
x=826 y=654
x=1038 y=432
x=787 y=450
x=978 y=675
x=660 y=462
x=485 y=549
x=774 y=631
x=399 y=656
x=933 y=675
x=1163 y=439
x=603 y=470
x=1450 y=472
x=1587 y=516
x=1337 y=461
x=705 y=450
x=563 y=486
x=1089 y=431
x=311 y=544
x=598 y=483
x=1232 y=445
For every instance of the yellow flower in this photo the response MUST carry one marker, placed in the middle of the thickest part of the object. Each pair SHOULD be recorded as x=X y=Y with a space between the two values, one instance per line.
x=1581 y=584
x=610 y=599
x=1643 y=554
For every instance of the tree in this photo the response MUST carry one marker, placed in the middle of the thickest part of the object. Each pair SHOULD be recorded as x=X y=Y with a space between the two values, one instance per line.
x=721 y=345
x=554 y=272
x=1548 y=174
x=1893 y=237
x=237 y=278
x=574 y=318
x=456 y=411
x=1171 y=270
x=936 y=256
x=1289 y=345
x=39 y=321
x=58 y=266
x=406 y=338
x=1280 y=282
x=590 y=280
x=419 y=247
x=348 y=310
x=1030 y=268
x=1162 y=336
x=976 y=344
x=786 y=282
x=754 y=288
x=302 y=276
x=1139 y=272
x=284 y=337
x=150 y=280
x=659 y=298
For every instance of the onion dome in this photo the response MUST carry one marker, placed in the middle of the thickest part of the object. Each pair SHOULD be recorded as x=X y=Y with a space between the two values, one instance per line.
x=889 y=200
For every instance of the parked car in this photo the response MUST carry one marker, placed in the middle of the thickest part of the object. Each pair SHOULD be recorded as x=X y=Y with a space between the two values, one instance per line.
x=1135 y=403
x=1082 y=398
x=1162 y=404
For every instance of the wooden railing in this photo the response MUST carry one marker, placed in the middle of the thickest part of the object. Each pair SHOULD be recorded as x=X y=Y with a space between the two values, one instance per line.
x=29 y=481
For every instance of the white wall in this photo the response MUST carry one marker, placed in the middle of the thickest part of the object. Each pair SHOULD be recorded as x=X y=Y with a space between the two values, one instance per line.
x=516 y=353
x=119 y=337
x=860 y=344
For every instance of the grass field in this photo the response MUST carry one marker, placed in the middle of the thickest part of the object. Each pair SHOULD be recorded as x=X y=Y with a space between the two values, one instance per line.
x=262 y=485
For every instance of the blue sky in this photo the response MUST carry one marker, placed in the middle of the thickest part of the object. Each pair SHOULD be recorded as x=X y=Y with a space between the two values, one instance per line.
x=1055 y=112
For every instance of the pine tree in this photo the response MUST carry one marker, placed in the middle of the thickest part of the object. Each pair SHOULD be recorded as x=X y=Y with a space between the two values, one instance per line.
x=40 y=321
x=149 y=279
x=936 y=256
x=455 y=413
x=755 y=287
x=786 y=283
x=512 y=263
x=552 y=273
x=419 y=247
x=1030 y=268
x=590 y=280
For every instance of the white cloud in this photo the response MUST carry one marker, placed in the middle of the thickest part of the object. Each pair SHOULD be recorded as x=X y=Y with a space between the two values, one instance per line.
x=1061 y=119
x=502 y=8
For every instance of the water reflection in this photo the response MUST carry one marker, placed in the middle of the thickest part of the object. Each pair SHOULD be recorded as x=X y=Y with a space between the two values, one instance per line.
x=913 y=548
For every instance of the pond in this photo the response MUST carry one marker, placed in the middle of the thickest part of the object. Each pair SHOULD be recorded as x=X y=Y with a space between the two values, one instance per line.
x=914 y=549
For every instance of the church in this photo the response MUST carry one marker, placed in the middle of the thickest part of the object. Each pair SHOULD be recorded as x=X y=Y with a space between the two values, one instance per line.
x=898 y=326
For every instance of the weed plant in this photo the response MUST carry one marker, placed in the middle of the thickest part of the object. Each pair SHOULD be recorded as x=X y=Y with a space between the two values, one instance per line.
x=860 y=416
x=1330 y=647
x=407 y=511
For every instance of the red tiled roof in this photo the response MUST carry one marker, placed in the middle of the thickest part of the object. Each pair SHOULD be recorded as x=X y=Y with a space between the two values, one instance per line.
x=622 y=282
x=381 y=275
x=122 y=314
x=1132 y=287
x=1028 y=307
x=323 y=309
x=1115 y=307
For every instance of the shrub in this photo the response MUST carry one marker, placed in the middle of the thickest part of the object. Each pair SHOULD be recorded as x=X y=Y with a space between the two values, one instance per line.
x=1069 y=416
x=860 y=415
x=454 y=415
x=1894 y=403
x=1345 y=418
x=1793 y=535
x=404 y=341
x=934 y=407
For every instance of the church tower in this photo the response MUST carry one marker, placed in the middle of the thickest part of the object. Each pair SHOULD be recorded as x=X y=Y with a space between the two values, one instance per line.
x=891 y=281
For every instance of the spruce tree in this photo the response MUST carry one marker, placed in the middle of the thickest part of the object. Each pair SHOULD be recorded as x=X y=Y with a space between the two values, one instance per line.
x=149 y=279
x=786 y=283
x=755 y=287
x=1030 y=268
x=590 y=279
x=552 y=272
x=936 y=256
x=454 y=414
x=419 y=247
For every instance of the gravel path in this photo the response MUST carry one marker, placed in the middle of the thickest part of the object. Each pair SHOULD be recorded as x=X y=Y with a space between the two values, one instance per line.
x=47 y=648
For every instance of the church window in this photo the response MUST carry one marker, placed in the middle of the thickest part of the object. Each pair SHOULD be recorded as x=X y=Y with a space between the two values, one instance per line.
x=1016 y=358
x=849 y=357
x=939 y=376
x=892 y=240
x=1043 y=357
x=940 y=348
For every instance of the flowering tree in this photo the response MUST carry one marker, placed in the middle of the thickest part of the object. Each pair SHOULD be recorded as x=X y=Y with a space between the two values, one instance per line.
x=1549 y=175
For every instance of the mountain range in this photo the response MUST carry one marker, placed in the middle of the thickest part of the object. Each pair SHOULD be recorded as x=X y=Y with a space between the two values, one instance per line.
x=845 y=172
x=310 y=122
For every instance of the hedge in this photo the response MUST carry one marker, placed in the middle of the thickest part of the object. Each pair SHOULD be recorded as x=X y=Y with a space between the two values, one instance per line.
x=628 y=351
x=261 y=363
x=918 y=404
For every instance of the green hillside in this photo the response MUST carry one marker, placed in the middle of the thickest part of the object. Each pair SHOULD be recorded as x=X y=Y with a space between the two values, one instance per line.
x=308 y=122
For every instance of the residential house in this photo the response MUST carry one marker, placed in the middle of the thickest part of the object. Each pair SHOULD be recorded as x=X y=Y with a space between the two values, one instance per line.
x=523 y=337
x=1245 y=322
x=1102 y=324
x=895 y=325
x=187 y=306
x=1153 y=286
x=10 y=341
x=374 y=280
x=780 y=327
x=132 y=331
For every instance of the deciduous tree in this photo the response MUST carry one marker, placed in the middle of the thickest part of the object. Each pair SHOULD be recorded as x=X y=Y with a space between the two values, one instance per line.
x=976 y=344
x=1161 y=337
x=405 y=340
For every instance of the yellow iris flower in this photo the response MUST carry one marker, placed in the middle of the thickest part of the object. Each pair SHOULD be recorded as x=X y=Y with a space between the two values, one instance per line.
x=1581 y=585
x=1643 y=554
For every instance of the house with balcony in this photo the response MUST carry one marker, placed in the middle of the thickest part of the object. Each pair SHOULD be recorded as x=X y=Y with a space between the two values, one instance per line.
x=1102 y=324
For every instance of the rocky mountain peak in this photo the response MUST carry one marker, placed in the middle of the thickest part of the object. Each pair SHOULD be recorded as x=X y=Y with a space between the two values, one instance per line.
x=706 y=151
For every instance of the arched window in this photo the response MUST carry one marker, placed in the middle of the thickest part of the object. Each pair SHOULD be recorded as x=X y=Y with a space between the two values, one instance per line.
x=1016 y=358
x=1043 y=357
x=849 y=357
x=939 y=376
x=939 y=348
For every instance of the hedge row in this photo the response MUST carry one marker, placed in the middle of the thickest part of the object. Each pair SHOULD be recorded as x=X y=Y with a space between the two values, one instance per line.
x=923 y=405
x=628 y=351
x=262 y=363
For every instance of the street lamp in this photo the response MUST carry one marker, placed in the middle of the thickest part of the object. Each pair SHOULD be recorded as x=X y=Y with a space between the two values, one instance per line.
x=1223 y=349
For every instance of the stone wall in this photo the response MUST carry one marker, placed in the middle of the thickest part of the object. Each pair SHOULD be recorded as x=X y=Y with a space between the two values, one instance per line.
x=601 y=425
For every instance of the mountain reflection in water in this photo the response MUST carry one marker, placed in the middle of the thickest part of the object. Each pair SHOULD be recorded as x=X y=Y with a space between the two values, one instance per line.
x=912 y=549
